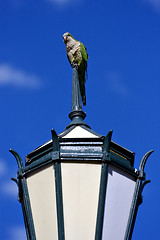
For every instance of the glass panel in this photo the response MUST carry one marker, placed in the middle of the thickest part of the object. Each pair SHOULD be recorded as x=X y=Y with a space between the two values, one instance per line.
x=119 y=195
x=80 y=185
x=79 y=132
x=41 y=187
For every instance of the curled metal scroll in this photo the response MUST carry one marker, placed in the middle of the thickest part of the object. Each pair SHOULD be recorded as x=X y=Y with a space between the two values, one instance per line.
x=23 y=197
x=144 y=160
x=18 y=158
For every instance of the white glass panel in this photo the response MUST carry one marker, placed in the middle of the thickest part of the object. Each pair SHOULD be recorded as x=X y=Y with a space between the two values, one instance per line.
x=41 y=187
x=80 y=184
x=120 y=189
x=79 y=132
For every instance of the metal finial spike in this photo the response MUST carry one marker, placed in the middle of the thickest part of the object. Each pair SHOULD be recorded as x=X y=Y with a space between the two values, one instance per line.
x=55 y=140
x=106 y=146
x=54 y=134
x=107 y=141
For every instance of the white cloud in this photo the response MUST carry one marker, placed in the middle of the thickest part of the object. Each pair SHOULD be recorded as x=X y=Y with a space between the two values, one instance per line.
x=116 y=85
x=10 y=188
x=154 y=3
x=18 y=78
x=17 y=233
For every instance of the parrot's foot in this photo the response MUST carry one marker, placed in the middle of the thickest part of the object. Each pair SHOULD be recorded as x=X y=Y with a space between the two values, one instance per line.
x=75 y=65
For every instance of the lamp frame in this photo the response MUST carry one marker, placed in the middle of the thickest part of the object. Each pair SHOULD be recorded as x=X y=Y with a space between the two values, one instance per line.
x=101 y=150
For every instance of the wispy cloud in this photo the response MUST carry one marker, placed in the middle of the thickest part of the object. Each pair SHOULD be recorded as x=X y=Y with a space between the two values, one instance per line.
x=15 y=77
x=17 y=233
x=64 y=3
x=9 y=188
x=154 y=3
x=116 y=85
x=60 y=2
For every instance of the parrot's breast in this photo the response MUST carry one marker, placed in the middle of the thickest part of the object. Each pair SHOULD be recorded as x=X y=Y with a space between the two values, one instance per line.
x=74 y=52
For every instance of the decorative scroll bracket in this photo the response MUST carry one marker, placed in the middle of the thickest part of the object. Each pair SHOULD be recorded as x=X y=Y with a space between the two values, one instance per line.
x=142 y=176
x=19 y=172
x=137 y=197
x=23 y=197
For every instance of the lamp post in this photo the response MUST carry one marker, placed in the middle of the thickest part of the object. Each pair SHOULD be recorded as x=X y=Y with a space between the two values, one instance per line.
x=80 y=184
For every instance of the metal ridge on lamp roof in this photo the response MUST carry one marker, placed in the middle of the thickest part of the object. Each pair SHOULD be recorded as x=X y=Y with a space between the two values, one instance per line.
x=124 y=156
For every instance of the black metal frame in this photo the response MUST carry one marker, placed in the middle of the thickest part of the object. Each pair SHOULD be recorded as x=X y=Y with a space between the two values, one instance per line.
x=101 y=150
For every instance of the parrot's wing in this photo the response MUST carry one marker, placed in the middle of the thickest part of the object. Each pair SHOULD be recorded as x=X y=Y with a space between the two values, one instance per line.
x=82 y=71
x=84 y=57
x=84 y=52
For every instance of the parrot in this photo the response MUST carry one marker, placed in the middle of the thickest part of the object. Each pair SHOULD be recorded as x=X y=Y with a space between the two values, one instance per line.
x=77 y=56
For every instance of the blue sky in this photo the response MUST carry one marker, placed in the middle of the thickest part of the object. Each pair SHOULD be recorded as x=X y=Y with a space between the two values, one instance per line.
x=123 y=43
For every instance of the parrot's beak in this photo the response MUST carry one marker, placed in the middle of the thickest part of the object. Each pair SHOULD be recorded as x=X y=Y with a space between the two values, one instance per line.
x=64 y=39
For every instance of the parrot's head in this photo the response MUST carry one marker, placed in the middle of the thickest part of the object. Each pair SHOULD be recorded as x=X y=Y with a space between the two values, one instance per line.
x=67 y=37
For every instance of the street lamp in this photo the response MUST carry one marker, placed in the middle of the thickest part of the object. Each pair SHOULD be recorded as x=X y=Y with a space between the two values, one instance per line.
x=80 y=184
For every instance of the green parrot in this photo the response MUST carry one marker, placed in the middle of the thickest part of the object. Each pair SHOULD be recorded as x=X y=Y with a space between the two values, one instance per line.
x=77 y=56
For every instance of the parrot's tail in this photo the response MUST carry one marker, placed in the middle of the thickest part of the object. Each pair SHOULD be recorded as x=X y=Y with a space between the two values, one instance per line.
x=82 y=81
x=84 y=100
